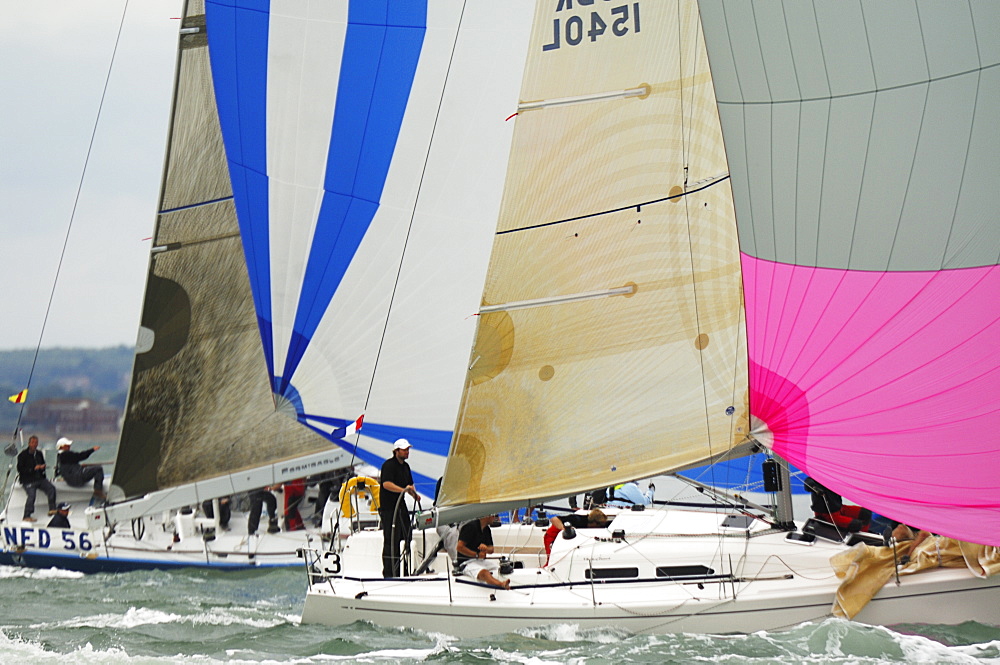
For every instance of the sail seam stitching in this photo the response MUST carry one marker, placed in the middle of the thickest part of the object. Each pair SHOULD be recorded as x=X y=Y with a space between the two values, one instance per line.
x=862 y=93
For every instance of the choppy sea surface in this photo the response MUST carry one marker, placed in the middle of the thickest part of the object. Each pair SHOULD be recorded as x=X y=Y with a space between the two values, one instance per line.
x=192 y=616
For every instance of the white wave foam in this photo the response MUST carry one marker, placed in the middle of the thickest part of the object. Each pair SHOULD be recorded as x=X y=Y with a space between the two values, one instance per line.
x=839 y=641
x=442 y=644
x=569 y=632
x=229 y=617
x=982 y=651
x=10 y=572
x=17 y=651
x=918 y=649
x=141 y=616
x=557 y=657
x=395 y=655
x=133 y=617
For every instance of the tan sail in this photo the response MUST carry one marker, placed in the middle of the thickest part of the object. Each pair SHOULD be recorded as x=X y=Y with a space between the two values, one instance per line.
x=611 y=342
x=200 y=404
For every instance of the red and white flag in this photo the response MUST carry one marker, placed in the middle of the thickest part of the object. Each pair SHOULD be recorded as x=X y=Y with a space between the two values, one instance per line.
x=352 y=428
x=355 y=426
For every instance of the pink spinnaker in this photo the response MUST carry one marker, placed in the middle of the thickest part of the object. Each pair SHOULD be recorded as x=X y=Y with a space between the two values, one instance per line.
x=884 y=386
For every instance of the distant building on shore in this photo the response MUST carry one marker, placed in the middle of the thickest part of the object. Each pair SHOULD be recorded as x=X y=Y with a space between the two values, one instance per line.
x=72 y=416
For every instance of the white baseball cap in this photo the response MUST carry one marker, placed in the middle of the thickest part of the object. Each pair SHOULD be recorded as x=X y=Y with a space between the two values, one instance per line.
x=63 y=442
x=401 y=444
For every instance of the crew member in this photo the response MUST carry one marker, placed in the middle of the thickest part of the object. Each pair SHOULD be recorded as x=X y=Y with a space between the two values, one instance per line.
x=68 y=466
x=395 y=480
x=595 y=519
x=475 y=542
x=31 y=472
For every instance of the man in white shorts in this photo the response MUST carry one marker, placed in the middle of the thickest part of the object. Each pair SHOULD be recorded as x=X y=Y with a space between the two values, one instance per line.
x=475 y=542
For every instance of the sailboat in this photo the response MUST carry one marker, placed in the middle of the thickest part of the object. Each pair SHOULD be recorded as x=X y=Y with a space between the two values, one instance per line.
x=728 y=227
x=267 y=335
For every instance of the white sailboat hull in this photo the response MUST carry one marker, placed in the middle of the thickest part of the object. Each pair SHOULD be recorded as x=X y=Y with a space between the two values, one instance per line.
x=35 y=546
x=951 y=597
x=761 y=583
x=946 y=600
x=162 y=541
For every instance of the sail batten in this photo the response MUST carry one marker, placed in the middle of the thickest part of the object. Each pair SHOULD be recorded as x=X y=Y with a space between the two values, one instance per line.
x=637 y=91
x=558 y=300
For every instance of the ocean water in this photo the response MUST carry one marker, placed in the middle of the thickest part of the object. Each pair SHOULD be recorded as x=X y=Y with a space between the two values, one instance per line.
x=192 y=616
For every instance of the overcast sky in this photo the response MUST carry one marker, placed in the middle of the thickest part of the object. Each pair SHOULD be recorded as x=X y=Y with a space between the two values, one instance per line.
x=56 y=55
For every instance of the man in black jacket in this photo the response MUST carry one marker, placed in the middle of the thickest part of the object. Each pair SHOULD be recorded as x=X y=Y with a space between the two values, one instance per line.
x=31 y=471
x=68 y=466
x=395 y=480
x=61 y=519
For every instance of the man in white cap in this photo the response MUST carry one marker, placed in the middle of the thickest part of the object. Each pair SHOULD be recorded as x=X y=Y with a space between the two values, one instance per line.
x=395 y=480
x=68 y=466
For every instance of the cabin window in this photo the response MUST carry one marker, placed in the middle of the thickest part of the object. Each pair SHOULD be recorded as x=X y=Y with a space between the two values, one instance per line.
x=610 y=573
x=684 y=571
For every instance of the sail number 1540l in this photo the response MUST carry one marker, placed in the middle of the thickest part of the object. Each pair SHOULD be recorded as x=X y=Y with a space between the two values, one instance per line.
x=571 y=31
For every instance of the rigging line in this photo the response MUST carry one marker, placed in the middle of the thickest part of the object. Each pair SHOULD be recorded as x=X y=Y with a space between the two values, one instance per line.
x=826 y=134
x=716 y=181
x=798 y=142
x=746 y=151
x=736 y=394
x=868 y=142
x=72 y=216
x=685 y=147
x=680 y=95
x=409 y=227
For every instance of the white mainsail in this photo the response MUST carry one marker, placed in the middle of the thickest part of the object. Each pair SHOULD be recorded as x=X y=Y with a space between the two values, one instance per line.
x=610 y=344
